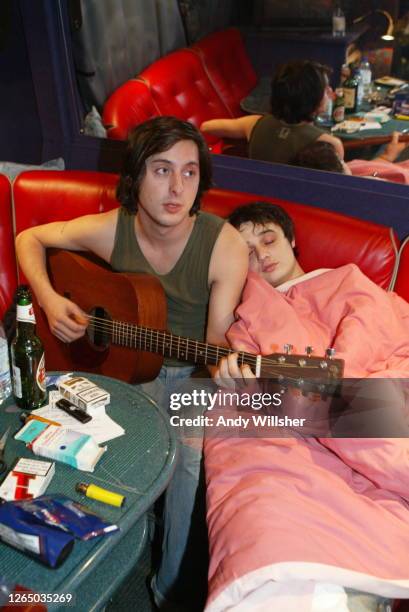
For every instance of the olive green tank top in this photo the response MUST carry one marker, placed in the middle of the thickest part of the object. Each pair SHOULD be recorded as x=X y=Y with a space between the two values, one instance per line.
x=186 y=285
x=276 y=141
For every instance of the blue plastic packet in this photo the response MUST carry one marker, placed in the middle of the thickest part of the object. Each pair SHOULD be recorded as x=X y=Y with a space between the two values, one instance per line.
x=49 y=545
x=66 y=514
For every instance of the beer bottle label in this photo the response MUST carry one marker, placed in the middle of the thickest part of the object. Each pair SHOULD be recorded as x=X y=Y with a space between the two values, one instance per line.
x=40 y=374
x=17 y=381
x=349 y=97
x=25 y=314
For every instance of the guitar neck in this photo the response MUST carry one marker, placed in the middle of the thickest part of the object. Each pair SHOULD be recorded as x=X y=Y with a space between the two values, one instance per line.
x=169 y=345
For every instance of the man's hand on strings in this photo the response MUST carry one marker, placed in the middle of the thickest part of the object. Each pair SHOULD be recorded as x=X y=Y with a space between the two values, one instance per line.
x=66 y=320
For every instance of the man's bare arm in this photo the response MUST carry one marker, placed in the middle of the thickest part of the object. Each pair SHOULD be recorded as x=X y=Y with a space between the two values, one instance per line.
x=230 y=128
x=227 y=274
x=90 y=233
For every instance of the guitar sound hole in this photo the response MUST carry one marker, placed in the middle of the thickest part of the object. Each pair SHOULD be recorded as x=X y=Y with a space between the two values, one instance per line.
x=99 y=328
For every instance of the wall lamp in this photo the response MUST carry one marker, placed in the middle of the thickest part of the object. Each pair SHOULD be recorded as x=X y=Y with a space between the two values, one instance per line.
x=389 y=32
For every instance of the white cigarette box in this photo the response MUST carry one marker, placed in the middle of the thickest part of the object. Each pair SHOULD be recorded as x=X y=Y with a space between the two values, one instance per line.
x=83 y=393
x=29 y=478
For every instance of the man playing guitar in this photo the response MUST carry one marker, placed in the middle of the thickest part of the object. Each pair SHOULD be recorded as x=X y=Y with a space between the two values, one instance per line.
x=200 y=260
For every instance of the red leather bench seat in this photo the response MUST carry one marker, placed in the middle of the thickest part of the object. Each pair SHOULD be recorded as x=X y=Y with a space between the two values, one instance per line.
x=204 y=82
x=229 y=68
x=180 y=86
x=129 y=105
x=8 y=270
x=324 y=238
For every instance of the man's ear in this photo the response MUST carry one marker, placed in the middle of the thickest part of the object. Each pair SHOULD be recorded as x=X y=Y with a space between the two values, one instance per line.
x=293 y=243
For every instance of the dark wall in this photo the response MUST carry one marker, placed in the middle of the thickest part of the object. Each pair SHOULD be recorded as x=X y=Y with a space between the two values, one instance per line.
x=20 y=130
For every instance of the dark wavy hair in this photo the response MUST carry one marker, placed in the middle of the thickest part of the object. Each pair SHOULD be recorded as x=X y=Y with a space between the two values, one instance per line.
x=260 y=213
x=319 y=155
x=297 y=89
x=155 y=136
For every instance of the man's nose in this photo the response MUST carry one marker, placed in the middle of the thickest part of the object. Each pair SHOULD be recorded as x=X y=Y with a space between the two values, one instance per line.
x=176 y=184
x=262 y=253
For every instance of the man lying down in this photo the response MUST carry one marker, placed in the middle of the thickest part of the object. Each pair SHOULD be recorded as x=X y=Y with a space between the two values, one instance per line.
x=310 y=523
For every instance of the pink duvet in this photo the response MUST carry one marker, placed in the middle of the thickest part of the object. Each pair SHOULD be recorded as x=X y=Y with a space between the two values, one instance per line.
x=388 y=171
x=286 y=513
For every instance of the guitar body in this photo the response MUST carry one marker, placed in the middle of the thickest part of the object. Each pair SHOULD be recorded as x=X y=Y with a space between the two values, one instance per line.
x=133 y=298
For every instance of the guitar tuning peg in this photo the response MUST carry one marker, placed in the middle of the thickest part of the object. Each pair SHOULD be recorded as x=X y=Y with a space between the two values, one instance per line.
x=330 y=353
x=309 y=350
x=288 y=348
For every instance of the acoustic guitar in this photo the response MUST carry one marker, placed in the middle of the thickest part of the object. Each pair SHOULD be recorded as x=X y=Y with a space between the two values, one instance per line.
x=127 y=313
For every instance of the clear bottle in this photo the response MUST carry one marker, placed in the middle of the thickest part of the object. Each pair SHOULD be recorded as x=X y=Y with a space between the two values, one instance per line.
x=338 y=21
x=27 y=354
x=359 y=89
x=366 y=75
x=5 y=377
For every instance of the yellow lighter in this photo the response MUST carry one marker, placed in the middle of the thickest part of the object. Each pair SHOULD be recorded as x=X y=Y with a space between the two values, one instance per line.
x=102 y=495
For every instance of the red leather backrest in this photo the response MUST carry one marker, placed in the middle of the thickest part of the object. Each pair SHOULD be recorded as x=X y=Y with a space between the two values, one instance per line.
x=181 y=87
x=325 y=239
x=128 y=106
x=8 y=270
x=226 y=61
x=42 y=197
x=402 y=280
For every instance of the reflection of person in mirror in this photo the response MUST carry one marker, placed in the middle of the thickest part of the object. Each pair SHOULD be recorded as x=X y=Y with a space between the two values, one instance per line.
x=299 y=92
x=323 y=156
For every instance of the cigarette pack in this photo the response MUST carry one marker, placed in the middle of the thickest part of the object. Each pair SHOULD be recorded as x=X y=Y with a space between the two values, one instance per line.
x=29 y=478
x=55 y=442
x=83 y=393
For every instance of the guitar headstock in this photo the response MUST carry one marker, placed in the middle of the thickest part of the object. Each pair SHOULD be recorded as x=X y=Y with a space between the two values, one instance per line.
x=307 y=372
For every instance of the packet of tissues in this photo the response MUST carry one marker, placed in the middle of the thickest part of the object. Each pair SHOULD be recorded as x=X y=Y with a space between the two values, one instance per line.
x=72 y=447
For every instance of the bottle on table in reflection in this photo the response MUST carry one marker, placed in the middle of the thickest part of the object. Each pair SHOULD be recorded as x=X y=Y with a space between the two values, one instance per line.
x=366 y=75
x=350 y=88
x=27 y=355
x=338 y=113
x=338 y=21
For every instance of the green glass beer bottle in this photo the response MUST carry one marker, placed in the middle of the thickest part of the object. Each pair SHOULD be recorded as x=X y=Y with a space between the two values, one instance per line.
x=27 y=355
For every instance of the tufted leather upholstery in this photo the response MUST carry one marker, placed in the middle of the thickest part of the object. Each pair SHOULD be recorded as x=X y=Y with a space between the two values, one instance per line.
x=8 y=271
x=204 y=82
x=226 y=61
x=180 y=86
x=128 y=106
x=324 y=238
x=402 y=280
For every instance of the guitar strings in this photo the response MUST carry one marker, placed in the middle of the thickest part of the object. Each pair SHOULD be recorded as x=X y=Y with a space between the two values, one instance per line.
x=142 y=334
x=145 y=335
